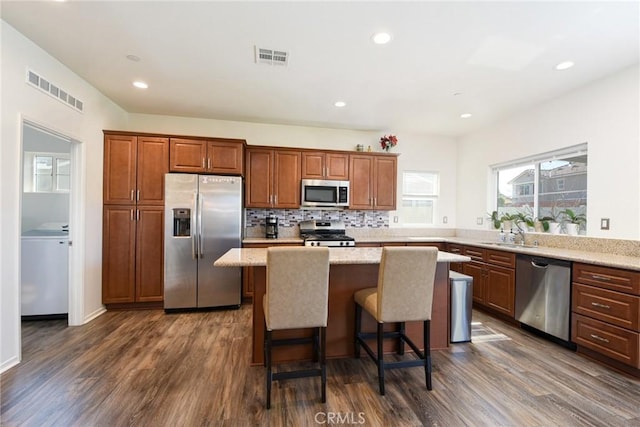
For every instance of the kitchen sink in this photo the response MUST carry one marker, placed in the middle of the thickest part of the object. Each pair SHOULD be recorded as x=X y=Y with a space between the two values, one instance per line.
x=510 y=245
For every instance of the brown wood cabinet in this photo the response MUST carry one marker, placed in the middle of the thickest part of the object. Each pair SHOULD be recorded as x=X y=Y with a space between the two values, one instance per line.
x=606 y=313
x=134 y=168
x=373 y=181
x=133 y=218
x=133 y=254
x=273 y=178
x=325 y=165
x=215 y=156
x=493 y=275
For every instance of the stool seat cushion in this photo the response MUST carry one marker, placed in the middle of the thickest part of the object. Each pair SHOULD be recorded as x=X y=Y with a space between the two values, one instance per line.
x=368 y=299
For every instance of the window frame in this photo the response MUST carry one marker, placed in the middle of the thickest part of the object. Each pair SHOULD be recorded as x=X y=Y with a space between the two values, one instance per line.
x=535 y=161
x=431 y=197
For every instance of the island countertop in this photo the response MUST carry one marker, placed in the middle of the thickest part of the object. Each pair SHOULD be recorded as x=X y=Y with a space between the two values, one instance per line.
x=257 y=257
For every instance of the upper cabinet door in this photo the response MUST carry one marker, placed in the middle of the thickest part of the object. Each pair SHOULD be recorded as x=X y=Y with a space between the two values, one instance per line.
x=312 y=165
x=287 y=179
x=119 y=182
x=152 y=165
x=337 y=166
x=188 y=155
x=385 y=183
x=258 y=193
x=361 y=177
x=225 y=157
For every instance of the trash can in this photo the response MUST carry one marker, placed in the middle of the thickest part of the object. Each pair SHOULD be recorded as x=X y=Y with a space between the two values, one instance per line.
x=461 y=289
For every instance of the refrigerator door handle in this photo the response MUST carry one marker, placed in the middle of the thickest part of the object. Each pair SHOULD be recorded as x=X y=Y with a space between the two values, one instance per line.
x=200 y=231
x=194 y=233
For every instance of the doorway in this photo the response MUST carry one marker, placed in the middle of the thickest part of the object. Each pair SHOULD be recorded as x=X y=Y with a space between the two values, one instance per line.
x=47 y=223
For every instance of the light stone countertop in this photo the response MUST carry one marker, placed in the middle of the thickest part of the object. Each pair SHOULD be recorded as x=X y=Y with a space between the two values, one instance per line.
x=257 y=257
x=576 y=255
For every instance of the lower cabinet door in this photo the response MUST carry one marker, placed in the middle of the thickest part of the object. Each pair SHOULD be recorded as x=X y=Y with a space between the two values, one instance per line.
x=499 y=293
x=118 y=254
x=150 y=254
x=614 y=342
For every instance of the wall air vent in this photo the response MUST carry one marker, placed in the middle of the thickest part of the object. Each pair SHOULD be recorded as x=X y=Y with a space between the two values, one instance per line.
x=51 y=89
x=271 y=56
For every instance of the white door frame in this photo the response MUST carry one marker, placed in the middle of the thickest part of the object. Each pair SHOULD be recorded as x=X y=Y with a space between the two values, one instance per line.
x=76 y=218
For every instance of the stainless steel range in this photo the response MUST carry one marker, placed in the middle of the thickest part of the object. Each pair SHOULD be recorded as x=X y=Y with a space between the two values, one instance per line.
x=325 y=233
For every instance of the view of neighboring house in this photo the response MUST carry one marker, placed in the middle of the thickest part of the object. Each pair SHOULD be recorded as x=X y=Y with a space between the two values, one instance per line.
x=562 y=184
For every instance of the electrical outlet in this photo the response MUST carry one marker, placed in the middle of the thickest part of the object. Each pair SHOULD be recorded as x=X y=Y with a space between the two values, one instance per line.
x=604 y=223
x=479 y=220
x=445 y=219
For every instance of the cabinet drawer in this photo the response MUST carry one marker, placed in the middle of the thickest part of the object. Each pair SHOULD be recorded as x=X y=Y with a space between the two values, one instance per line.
x=476 y=254
x=454 y=248
x=502 y=258
x=609 y=306
x=606 y=277
x=614 y=342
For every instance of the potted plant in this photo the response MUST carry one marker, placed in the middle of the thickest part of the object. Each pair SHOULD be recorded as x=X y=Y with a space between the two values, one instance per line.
x=508 y=220
x=542 y=224
x=524 y=219
x=573 y=221
x=495 y=219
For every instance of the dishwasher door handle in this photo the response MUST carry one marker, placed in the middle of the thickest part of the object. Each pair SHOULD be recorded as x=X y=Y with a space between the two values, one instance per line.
x=538 y=264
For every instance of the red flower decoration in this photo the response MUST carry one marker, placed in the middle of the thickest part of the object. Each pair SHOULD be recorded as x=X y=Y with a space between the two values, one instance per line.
x=386 y=142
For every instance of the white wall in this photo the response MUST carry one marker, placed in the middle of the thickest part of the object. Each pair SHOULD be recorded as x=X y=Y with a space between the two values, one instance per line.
x=604 y=114
x=20 y=100
x=416 y=152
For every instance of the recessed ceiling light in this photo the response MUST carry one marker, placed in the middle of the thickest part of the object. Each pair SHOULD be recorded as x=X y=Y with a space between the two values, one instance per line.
x=564 y=65
x=340 y=104
x=465 y=115
x=381 y=38
x=133 y=58
x=140 y=85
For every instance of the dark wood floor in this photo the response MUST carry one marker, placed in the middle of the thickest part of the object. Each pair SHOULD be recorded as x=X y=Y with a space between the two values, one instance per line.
x=147 y=368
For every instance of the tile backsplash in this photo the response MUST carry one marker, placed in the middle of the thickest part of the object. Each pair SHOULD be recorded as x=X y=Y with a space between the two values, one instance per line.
x=291 y=217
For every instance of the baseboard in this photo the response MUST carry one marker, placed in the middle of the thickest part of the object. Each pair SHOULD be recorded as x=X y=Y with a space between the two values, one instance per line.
x=95 y=314
x=9 y=364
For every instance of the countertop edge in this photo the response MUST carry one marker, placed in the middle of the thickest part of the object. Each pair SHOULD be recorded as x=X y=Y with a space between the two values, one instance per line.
x=595 y=258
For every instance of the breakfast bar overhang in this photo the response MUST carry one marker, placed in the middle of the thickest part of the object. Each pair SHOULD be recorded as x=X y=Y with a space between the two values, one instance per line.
x=351 y=269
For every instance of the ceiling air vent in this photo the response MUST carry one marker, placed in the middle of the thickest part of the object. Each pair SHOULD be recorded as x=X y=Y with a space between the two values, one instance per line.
x=51 y=89
x=271 y=56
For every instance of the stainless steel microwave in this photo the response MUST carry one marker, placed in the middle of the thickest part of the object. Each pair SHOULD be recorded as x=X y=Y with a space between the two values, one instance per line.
x=322 y=193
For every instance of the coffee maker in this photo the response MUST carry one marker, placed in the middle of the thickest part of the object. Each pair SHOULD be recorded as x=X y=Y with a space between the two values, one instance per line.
x=271 y=227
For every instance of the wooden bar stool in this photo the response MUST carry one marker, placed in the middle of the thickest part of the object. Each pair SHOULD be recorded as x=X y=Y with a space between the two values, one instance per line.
x=297 y=296
x=404 y=293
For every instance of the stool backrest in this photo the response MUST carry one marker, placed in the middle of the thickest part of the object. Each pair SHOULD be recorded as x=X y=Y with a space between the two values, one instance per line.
x=297 y=291
x=405 y=283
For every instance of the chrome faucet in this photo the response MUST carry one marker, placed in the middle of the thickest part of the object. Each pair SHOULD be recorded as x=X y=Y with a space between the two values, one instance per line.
x=521 y=234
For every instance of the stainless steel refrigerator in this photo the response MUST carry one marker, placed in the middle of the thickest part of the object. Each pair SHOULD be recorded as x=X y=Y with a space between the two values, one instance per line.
x=203 y=220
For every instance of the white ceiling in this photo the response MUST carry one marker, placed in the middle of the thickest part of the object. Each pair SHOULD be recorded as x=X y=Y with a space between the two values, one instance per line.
x=198 y=57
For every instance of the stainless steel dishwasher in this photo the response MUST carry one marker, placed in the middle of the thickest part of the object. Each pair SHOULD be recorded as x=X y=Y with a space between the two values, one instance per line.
x=543 y=294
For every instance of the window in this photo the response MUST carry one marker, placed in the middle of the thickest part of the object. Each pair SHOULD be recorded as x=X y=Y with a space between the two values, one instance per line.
x=544 y=185
x=419 y=195
x=46 y=172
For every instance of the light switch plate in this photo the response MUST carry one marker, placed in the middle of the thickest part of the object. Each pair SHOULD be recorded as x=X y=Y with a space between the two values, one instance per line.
x=445 y=219
x=479 y=220
x=604 y=223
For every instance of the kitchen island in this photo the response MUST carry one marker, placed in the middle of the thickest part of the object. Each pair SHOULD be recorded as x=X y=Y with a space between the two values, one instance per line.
x=351 y=269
